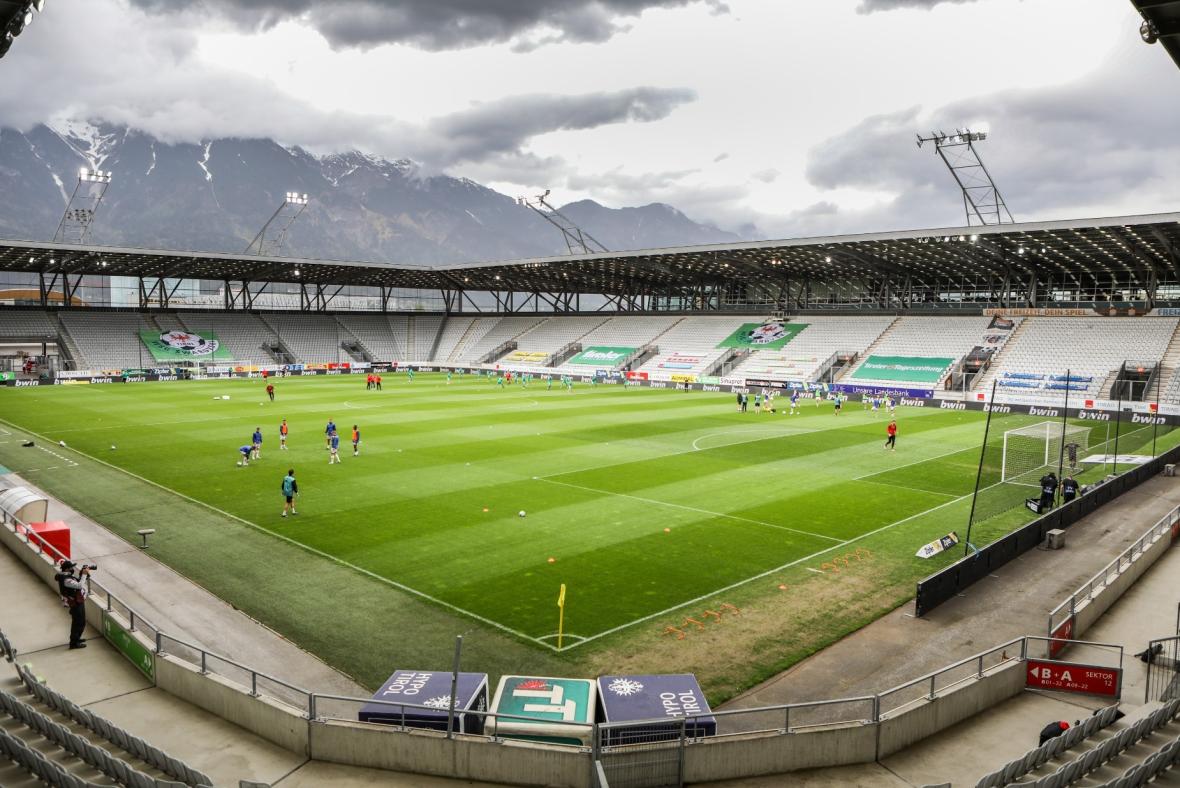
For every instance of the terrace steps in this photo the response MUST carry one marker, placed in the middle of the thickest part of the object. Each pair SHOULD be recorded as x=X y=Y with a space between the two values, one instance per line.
x=71 y=346
x=985 y=380
x=463 y=339
x=870 y=349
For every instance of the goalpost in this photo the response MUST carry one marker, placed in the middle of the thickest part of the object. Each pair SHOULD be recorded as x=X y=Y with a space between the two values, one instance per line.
x=1031 y=449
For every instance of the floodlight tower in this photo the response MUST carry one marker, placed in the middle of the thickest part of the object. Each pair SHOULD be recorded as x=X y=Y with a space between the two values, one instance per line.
x=79 y=216
x=981 y=197
x=269 y=241
x=577 y=240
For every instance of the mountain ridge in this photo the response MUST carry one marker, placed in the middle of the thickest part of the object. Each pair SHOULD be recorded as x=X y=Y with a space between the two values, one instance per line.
x=215 y=195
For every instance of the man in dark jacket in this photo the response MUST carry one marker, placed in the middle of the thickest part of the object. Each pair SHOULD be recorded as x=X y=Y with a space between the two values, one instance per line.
x=71 y=585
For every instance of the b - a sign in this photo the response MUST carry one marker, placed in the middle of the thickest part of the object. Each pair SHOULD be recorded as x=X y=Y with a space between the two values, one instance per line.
x=1073 y=677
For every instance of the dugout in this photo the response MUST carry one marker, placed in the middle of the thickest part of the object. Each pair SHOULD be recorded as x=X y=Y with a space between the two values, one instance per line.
x=23 y=504
x=659 y=705
x=427 y=699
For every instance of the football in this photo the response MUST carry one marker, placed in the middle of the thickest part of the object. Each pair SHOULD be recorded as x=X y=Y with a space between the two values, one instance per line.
x=520 y=513
x=112 y=447
x=61 y=443
x=239 y=463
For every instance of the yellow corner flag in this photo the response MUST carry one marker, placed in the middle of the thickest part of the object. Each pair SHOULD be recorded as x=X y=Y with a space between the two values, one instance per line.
x=560 y=615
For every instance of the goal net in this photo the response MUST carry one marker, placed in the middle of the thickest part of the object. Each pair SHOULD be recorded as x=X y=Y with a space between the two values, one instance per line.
x=1030 y=450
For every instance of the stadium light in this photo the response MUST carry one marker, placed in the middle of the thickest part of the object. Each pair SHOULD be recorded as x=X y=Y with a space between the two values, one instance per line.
x=1149 y=32
x=296 y=272
x=827 y=258
x=1020 y=250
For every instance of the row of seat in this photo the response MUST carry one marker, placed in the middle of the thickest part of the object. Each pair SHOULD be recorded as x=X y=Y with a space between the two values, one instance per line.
x=1035 y=758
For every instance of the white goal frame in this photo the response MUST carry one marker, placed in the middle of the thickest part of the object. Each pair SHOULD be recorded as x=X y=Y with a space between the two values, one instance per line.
x=1050 y=433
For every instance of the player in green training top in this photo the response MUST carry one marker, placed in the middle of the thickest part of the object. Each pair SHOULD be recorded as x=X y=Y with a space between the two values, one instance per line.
x=448 y=377
x=410 y=374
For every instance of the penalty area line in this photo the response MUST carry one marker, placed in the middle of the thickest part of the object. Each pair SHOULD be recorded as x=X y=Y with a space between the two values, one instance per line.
x=320 y=553
x=769 y=572
x=692 y=509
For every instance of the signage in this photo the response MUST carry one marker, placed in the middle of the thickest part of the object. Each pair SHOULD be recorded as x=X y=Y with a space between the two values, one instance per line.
x=1039 y=312
x=676 y=698
x=938 y=545
x=601 y=356
x=918 y=369
x=545 y=709
x=177 y=345
x=770 y=335
x=1073 y=677
x=428 y=695
x=1061 y=636
x=526 y=356
x=129 y=646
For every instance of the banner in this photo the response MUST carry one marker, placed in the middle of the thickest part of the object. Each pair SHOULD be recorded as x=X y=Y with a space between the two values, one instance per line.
x=938 y=545
x=601 y=356
x=911 y=369
x=527 y=356
x=771 y=335
x=180 y=345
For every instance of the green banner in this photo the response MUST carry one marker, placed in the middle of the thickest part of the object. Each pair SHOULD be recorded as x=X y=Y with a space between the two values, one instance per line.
x=7 y=376
x=601 y=356
x=140 y=655
x=771 y=335
x=180 y=345
x=913 y=369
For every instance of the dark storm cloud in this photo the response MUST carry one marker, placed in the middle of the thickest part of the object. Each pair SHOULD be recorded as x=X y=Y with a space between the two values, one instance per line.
x=869 y=6
x=437 y=24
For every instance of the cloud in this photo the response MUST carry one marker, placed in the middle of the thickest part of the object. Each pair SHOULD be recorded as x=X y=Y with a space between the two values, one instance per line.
x=769 y=175
x=154 y=81
x=720 y=157
x=436 y=24
x=870 y=6
x=1095 y=146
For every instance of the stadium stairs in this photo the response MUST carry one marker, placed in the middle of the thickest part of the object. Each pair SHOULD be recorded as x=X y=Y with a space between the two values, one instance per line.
x=844 y=371
x=45 y=738
x=984 y=383
x=284 y=354
x=1169 y=366
x=68 y=346
x=1101 y=751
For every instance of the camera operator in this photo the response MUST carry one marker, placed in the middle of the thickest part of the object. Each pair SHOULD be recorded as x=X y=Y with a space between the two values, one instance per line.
x=71 y=584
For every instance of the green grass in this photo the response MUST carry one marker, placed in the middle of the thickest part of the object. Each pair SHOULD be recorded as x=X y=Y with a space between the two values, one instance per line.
x=652 y=503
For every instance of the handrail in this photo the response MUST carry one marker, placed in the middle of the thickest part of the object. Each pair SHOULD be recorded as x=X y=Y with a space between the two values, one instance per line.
x=1088 y=590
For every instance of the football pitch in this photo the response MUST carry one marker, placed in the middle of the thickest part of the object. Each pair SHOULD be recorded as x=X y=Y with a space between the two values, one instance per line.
x=650 y=506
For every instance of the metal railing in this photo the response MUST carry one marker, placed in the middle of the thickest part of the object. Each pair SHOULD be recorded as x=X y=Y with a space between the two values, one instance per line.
x=1103 y=578
x=1163 y=670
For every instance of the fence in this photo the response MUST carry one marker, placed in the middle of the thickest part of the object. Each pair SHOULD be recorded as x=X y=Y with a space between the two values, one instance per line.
x=1163 y=670
x=1075 y=614
x=946 y=583
x=748 y=742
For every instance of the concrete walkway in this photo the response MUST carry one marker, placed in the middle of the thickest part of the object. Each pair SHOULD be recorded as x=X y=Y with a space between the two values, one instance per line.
x=185 y=610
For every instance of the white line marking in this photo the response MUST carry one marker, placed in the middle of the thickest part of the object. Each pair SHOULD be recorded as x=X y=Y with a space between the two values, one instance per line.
x=761 y=575
x=908 y=464
x=754 y=440
x=314 y=551
x=817 y=571
x=904 y=487
x=692 y=509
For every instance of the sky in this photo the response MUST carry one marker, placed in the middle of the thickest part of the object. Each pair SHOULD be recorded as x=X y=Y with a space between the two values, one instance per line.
x=770 y=118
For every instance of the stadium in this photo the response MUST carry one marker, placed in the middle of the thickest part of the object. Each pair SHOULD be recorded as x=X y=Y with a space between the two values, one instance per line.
x=861 y=509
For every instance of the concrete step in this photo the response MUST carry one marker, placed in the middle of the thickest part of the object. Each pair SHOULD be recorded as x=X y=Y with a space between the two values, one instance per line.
x=1114 y=768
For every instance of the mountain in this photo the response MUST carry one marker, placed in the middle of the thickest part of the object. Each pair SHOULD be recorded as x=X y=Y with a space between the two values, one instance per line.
x=216 y=195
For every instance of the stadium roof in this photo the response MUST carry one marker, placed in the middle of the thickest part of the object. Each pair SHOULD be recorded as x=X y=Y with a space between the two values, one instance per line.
x=1165 y=16
x=1134 y=248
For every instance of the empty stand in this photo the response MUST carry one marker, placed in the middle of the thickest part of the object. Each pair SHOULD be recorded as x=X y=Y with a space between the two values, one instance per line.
x=108 y=340
x=690 y=346
x=1089 y=350
x=244 y=335
x=803 y=357
x=312 y=339
x=375 y=334
x=924 y=337
x=25 y=324
x=504 y=329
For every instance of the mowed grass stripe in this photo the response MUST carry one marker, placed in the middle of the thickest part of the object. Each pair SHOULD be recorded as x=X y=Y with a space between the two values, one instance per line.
x=416 y=516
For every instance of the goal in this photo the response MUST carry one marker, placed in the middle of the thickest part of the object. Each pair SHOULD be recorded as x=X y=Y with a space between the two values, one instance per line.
x=1031 y=449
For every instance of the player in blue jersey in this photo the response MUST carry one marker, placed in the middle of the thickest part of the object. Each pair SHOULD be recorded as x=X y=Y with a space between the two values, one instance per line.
x=245 y=452
x=257 y=441
x=794 y=401
x=334 y=447
x=331 y=428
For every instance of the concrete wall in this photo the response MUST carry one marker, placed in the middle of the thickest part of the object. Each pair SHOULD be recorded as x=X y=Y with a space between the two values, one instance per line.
x=1091 y=611
x=751 y=755
x=928 y=717
x=40 y=563
x=217 y=696
x=466 y=757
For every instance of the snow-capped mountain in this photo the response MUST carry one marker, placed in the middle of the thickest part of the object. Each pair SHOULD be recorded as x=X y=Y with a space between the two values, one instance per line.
x=214 y=196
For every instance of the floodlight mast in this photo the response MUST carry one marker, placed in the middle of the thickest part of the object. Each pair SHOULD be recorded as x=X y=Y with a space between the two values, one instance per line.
x=982 y=201
x=78 y=219
x=577 y=240
x=269 y=241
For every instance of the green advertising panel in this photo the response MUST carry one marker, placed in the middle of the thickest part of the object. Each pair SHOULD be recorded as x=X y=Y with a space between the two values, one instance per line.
x=771 y=335
x=7 y=376
x=140 y=655
x=184 y=346
x=552 y=710
x=912 y=369
x=601 y=356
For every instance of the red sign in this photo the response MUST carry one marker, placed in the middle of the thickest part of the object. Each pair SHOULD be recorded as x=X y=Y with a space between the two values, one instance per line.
x=1061 y=637
x=1073 y=677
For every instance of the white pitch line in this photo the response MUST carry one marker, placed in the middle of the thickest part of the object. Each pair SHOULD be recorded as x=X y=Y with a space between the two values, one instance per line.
x=692 y=509
x=768 y=572
x=908 y=464
x=904 y=487
x=314 y=551
x=754 y=440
